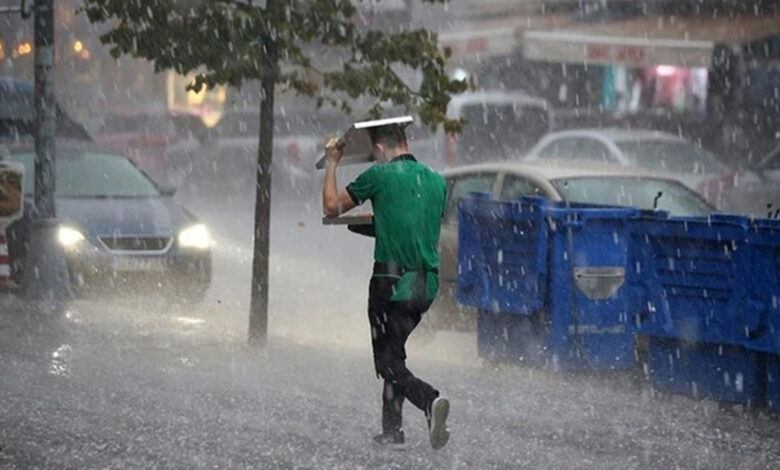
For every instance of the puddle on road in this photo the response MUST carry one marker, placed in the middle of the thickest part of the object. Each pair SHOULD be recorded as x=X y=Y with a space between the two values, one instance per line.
x=74 y=316
x=188 y=362
x=189 y=321
x=60 y=361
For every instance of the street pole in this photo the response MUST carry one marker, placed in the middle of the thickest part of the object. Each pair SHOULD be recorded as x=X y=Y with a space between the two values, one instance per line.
x=258 y=306
x=45 y=108
x=46 y=274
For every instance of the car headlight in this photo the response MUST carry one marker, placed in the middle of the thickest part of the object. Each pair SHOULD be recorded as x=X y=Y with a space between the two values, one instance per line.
x=197 y=236
x=69 y=237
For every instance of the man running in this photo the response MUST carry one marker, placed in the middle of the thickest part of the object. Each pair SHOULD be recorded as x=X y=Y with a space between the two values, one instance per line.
x=408 y=203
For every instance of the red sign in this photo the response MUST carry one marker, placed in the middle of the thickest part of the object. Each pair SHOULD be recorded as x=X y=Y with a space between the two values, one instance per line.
x=630 y=54
x=597 y=52
x=605 y=53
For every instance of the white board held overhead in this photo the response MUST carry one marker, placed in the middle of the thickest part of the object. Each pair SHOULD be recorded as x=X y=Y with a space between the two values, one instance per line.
x=357 y=140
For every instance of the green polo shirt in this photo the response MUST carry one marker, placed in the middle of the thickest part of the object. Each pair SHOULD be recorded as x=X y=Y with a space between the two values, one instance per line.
x=408 y=202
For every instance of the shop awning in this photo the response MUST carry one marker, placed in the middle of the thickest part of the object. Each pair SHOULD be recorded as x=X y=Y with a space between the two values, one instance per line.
x=647 y=41
x=493 y=38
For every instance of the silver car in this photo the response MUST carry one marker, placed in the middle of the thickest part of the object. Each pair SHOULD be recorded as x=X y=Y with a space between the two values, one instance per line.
x=501 y=125
x=564 y=181
x=655 y=151
x=757 y=192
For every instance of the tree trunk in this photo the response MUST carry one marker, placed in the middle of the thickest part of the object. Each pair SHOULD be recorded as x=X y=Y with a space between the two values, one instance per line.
x=46 y=120
x=258 y=308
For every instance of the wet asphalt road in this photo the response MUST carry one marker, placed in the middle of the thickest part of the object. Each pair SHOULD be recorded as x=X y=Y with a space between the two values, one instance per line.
x=132 y=383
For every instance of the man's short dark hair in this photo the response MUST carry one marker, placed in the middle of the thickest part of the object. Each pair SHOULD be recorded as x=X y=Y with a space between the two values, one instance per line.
x=391 y=136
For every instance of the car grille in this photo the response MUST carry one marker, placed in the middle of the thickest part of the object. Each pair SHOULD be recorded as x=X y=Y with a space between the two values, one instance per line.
x=136 y=243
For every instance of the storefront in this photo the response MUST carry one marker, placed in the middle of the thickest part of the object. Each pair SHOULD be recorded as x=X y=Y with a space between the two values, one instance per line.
x=681 y=64
x=490 y=51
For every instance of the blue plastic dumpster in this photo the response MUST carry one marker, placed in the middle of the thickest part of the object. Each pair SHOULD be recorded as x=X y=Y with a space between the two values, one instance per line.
x=764 y=236
x=772 y=381
x=548 y=282
x=703 y=370
x=502 y=254
x=700 y=286
x=763 y=278
x=688 y=278
x=588 y=259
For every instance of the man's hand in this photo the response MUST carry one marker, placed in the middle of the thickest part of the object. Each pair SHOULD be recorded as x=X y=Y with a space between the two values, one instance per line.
x=334 y=203
x=334 y=150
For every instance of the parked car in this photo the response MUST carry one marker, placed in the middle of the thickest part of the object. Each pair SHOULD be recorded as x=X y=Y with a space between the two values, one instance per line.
x=162 y=143
x=17 y=112
x=558 y=181
x=228 y=163
x=650 y=150
x=119 y=230
x=500 y=125
x=757 y=191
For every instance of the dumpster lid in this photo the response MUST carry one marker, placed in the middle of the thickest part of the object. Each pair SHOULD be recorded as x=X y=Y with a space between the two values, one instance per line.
x=358 y=147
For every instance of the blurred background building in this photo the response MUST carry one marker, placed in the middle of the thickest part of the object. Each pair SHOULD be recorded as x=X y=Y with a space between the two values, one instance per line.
x=703 y=66
x=706 y=68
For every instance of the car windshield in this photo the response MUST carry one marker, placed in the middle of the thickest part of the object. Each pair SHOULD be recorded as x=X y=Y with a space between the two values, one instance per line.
x=631 y=191
x=670 y=155
x=85 y=174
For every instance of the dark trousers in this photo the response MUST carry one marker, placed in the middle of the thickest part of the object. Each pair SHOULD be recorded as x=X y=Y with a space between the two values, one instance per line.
x=391 y=324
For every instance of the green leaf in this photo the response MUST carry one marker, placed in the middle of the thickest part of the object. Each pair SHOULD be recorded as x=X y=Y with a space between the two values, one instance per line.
x=232 y=41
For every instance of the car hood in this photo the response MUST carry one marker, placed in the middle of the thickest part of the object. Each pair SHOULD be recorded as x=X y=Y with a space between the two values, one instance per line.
x=159 y=216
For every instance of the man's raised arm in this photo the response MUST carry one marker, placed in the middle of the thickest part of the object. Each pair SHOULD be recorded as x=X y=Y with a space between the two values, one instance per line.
x=334 y=203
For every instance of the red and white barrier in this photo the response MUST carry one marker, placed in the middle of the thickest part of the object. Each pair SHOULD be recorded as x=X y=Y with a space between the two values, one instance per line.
x=5 y=260
x=11 y=209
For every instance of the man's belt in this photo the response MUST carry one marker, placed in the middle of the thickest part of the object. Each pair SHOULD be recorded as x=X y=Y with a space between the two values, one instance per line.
x=420 y=288
x=398 y=270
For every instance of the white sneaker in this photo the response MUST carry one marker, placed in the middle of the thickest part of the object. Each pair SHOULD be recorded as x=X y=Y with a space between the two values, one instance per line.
x=440 y=409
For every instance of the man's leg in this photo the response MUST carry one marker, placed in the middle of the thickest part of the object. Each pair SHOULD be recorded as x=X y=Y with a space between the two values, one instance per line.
x=380 y=291
x=402 y=318
x=392 y=406
x=406 y=317
x=391 y=325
